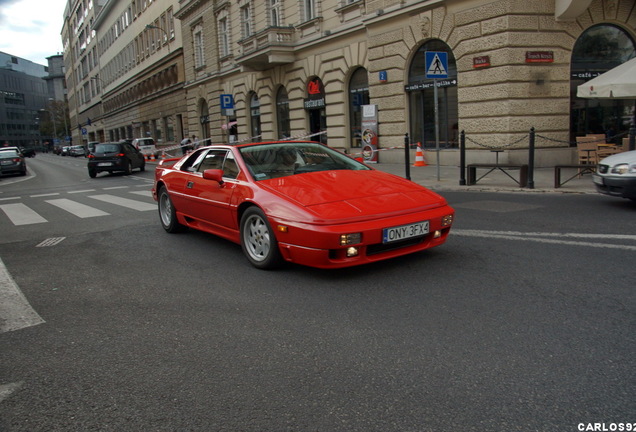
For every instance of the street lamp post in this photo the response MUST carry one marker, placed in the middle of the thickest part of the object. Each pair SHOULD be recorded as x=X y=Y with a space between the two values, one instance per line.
x=52 y=113
x=150 y=26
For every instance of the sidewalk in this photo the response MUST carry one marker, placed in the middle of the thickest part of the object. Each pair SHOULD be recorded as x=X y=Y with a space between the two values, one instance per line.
x=495 y=181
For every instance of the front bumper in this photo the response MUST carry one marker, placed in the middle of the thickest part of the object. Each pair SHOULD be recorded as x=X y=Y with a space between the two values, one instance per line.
x=624 y=187
x=319 y=247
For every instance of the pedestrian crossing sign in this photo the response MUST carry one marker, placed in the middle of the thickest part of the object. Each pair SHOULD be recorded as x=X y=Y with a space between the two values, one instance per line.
x=436 y=64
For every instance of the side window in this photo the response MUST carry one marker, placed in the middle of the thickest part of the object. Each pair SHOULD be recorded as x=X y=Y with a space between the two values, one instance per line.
x=193 y=161
x=213 y=159
x=230 y=168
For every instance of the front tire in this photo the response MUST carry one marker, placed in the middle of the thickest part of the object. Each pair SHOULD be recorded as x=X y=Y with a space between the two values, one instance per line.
x=168 y=214
x=258 y=241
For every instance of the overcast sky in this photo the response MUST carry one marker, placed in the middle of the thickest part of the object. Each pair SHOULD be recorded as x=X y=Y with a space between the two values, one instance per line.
x=31 y=29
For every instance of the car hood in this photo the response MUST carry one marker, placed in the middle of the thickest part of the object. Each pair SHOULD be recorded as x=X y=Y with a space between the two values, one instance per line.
x=347 y=194
x=618 y=158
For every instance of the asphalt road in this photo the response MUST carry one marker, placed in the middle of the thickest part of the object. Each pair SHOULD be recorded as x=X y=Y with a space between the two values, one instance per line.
x=525 y=320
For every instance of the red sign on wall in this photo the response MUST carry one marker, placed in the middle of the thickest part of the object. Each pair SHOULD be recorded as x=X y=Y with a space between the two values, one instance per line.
x=539 y=56
x=314 y=87
x=481 y=61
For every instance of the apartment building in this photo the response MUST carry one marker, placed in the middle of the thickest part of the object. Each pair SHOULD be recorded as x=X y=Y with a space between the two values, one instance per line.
x=125 y=60
x=355 y=74
x=278 y=68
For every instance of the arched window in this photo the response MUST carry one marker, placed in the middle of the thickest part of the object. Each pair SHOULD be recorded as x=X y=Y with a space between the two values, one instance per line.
x=422 y=104
x=255 y=117
x=282 y=113
x=358 y=96
x=599 y=49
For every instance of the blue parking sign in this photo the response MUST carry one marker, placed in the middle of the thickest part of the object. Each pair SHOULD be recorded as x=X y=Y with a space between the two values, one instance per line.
x=436 y=64
x=227 y=101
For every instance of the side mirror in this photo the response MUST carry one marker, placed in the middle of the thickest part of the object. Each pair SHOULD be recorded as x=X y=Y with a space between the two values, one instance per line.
x=214 y=174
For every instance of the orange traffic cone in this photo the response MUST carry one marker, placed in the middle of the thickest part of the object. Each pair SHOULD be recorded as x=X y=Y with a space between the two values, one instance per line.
x=419 y=157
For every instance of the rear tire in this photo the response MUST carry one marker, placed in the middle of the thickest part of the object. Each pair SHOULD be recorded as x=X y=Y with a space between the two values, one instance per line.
x=258 y=241
x=168 y=214
x=129 y=168
x=92 y=173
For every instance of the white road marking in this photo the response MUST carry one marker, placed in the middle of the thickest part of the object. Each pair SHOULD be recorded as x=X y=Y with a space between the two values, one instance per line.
x=50 y=241
x=78 y=209
x=15 y=310
x=553 y=238
x=142 y=193
x=125 y=202
x=20 y=214
x=45 y=195
x=7 y=389
x=81 y=191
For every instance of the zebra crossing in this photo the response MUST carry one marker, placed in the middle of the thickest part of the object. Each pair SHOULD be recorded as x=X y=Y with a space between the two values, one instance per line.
x=83 y=204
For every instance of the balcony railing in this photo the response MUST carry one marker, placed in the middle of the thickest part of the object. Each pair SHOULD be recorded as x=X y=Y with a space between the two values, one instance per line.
x=271 y=47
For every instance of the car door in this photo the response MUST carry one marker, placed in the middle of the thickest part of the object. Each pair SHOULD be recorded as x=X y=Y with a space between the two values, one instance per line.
x=210 y=202
x=136 y=158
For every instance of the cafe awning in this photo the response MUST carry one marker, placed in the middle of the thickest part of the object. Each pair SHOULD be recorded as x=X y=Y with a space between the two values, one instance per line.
x=617 y=83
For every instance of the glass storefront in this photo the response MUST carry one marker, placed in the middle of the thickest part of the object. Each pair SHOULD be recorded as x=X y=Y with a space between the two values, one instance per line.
x=599 y=49
x=422 y=104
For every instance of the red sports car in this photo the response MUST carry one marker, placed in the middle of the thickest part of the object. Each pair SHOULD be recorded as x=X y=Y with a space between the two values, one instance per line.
x=301 y=202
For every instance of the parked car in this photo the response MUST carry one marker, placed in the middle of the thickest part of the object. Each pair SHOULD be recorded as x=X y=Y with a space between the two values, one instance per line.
x=65 y=150
x=27 y=152
x=77 y=150
x=114 y=157
x=12 y=161
x=616 y=175
x=300 y=202
x=145 y=145
x=91 y=146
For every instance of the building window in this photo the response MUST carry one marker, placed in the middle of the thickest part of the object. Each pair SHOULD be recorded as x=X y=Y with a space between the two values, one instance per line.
x=246 y=21
x=224 y=38
x=358 y=96
x=255 y=117
x=275 y=19
x=309 y=9
x=199 y=59
x=282 y=113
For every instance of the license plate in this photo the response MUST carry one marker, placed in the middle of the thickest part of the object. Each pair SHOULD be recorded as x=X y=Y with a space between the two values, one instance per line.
x=6 y=162
x=597 y=179
x=104 y=164
x=403 y=232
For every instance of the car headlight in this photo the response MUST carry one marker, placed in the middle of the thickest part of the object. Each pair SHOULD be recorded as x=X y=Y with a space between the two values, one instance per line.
x=623 y=169
x=347 y=239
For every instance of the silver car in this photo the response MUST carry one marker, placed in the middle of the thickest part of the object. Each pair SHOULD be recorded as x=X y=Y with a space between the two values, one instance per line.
x=616 y=175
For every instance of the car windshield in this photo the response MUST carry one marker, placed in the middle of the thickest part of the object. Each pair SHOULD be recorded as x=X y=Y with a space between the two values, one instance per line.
x=282 y=159
x=8 y=153
x=106 y=148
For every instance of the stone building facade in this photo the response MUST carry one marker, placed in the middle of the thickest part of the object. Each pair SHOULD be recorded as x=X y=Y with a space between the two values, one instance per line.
x=510 y=68
x=355 y=74
x=124 y=60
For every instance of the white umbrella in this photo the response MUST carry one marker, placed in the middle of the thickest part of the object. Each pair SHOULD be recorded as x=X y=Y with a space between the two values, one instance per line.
x=617 y=83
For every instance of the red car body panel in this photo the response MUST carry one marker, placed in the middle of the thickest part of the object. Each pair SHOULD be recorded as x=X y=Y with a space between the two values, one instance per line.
x=315 y=209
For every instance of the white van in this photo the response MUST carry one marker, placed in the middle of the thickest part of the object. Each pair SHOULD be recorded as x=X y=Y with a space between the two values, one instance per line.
x=616 y=175
x=145 y=145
